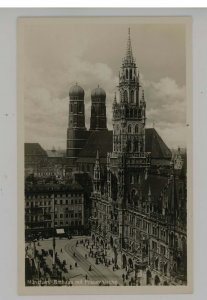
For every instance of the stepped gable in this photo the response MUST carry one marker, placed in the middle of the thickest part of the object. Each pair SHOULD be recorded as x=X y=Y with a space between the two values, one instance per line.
x=155 y=145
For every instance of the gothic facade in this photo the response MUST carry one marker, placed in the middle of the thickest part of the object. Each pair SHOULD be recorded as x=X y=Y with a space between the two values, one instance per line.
x=138 y=211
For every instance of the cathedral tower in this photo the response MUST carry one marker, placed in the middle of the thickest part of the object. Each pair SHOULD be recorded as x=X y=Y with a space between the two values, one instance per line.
x=128 y=162
x=76 y=132
x=98 y=109
x=129 y=113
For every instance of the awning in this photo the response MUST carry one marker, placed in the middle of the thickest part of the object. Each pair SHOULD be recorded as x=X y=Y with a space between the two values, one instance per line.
x=60 y=231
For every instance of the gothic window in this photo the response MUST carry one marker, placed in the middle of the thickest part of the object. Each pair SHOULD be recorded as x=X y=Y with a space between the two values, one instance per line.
x=126 y=74
x=136 y=129
x=125 y=96
x=129 y=128
x=135 y=146
x=129 y=146
x=131 y=74
x=71 y=107
x=132 y=179
x=132 y=96
x=80 y=108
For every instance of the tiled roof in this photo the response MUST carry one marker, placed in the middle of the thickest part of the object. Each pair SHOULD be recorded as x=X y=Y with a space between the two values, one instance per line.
x=155 y=144
x=103 y=140
x=155 y=183
x=34 y=149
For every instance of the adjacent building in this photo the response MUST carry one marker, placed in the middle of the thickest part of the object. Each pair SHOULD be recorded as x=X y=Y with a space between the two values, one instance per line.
x=54 y=206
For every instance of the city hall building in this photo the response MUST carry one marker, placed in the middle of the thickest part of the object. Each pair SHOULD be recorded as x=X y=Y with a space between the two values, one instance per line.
x=139 y=200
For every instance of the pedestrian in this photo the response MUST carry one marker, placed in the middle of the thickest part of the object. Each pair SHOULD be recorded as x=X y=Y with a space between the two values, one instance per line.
x=71 y=267
x=76 y=264
x=86 y=276
x=61 y=250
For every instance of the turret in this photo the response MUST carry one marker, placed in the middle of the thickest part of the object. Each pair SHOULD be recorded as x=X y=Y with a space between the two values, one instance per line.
x=76 y=132
x=98 y=109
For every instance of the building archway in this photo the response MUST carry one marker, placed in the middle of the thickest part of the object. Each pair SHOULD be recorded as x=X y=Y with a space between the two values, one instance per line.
x=157 y=280
x=165 y=283
x=178 y=263
x=130 y=262
x=124 y=260
x=165 y=269
x=171 y=239
x=149 y=277
x=111 y=242
x=156 y=263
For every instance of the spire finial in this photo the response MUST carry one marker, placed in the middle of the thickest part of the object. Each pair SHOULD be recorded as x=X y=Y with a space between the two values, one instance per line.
x=97 y=154
x=129 y=56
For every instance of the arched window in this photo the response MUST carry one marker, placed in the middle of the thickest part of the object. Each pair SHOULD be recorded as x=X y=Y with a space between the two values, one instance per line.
x=132 y=96
x=129 y=128
x=130 y=73
x=129 y=146
x=135 y=146
x=136 y=128
x=126 y=74
x=125 y=96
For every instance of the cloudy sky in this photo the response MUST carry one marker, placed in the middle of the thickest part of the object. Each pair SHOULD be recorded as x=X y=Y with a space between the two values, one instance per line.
x=58 y=54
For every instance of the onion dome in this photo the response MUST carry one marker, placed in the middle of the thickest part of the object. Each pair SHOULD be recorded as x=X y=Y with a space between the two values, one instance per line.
x=98 y=93
x=76 y=91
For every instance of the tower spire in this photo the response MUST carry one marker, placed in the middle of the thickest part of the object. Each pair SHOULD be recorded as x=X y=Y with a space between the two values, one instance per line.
x=129 y=55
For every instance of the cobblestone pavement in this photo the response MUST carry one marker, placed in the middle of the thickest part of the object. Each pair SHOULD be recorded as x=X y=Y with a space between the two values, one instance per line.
x=74 y=252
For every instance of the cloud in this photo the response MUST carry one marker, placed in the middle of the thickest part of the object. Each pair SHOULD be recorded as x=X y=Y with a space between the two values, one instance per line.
x=53 y=64
x=166 y=109
x=47 y=101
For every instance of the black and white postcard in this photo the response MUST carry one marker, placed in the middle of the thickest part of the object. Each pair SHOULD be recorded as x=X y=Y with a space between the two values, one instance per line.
x=105 y=191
